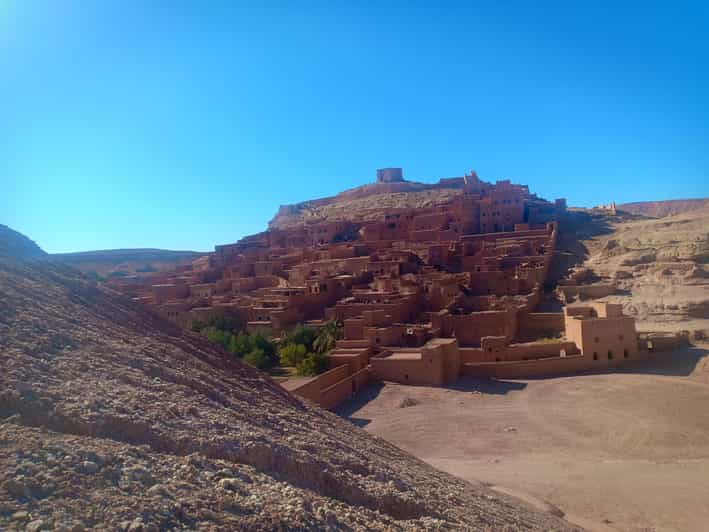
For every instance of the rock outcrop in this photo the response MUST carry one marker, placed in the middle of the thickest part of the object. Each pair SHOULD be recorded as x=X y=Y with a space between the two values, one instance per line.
x=660 y=268
x=367 y=200
x=112 y=418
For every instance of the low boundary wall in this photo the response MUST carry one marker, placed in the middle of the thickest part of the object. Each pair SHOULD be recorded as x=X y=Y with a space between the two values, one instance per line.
x=334 y=386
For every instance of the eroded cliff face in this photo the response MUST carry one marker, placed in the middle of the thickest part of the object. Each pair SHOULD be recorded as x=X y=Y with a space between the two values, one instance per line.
x=113 y=418
x=660 y=268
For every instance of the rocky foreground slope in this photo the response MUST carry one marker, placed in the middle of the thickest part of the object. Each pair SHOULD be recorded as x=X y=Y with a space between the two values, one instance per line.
x=111 y=418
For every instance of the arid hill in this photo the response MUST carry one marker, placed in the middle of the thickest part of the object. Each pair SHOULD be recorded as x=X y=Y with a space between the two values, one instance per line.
x=16 y=244
x=113 y=418
x=112 y=262
x=658 y=209
x=369 y=201
x=660 y=266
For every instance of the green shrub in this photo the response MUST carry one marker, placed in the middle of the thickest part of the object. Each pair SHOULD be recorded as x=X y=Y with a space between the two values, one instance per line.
x=197 y=325
x=327 y=336
x=266 y=345
x=292 y=354
x=259 y=359
x=301 y=334
x=230 y=323
x=312 y=364
x=217 y=336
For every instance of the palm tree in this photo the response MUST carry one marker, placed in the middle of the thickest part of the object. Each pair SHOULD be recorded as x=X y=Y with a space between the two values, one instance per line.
x=327 y=337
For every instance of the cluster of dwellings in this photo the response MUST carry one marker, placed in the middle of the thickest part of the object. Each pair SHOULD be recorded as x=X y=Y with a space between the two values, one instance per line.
x=425 y=295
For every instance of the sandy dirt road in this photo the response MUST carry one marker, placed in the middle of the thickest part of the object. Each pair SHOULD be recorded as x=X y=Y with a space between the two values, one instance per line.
x=616 y=451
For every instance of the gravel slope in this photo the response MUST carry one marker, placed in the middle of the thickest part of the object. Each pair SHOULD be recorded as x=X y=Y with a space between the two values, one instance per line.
x=111 y=418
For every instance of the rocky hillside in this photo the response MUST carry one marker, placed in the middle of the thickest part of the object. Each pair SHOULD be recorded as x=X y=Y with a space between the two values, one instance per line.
x=368 y=201
x=661 y=268
x=16 y=244
x=658 y=209
x=113 y=418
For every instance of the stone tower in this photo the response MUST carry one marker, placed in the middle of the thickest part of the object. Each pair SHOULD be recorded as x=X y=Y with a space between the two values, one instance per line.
x=390 y=175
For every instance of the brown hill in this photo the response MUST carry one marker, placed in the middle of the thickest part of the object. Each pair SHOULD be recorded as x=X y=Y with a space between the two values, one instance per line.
x=16 y=244
x=660 y=268
x=113 y=418
x=658 y=209
x=370 y=199
x=117 y=262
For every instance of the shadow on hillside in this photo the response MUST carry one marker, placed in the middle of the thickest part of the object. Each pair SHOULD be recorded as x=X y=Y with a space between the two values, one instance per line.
x=574 y=227
x=350 y=406
x=486 y=385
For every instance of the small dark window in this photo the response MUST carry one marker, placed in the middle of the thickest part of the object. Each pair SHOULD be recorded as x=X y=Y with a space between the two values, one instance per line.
x=406 y=377
x=595 y=356
x=497 y=360
x=610 y=355
x=625 y=353
x=620 y=337
x=596 y=339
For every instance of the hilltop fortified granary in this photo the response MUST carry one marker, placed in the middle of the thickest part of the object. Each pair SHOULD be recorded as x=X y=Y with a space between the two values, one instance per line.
x=426 y=293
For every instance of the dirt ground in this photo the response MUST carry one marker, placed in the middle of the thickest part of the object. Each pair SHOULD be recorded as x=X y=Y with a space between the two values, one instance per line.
x=615 y=451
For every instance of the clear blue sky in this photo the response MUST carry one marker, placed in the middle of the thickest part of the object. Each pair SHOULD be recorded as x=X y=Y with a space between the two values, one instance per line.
x=184 y=124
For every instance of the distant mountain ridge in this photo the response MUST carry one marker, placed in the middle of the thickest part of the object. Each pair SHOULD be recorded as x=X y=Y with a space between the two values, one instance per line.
x=144 y=254
x=109 y=262
x=660 y=209
x=17 y=245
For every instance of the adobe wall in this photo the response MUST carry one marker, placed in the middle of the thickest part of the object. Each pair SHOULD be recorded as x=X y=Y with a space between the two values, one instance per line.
x=310 y=390
x=469 y=329
x=391 y=335
x=332 y=376
x=333 y=395
x=412 y=371
x=527 y=368
x=590 y=291
x=532 y=325
x=355 y=360
x=353 y=328
x=494 y=349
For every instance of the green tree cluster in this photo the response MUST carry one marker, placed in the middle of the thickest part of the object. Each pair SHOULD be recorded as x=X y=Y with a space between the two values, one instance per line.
x=306 y=348
x=226 y=331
